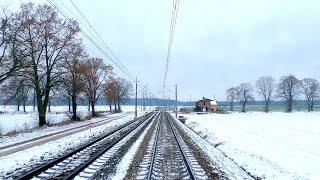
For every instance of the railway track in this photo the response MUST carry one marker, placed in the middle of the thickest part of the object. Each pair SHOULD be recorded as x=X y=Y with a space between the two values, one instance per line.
x=72 y=164
x=168 y=156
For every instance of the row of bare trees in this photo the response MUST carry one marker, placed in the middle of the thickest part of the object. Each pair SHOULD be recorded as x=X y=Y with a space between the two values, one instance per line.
x=41 y=54
x=288 y=89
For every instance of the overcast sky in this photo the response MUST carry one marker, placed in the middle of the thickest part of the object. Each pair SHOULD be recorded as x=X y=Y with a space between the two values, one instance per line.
x=218 y=43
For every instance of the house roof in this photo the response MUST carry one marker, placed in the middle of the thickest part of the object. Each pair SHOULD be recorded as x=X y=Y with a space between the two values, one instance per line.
x=213 y=102
x=206 y=100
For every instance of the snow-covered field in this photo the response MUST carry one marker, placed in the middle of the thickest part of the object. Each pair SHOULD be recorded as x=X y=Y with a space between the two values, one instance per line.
x=13 y=121
x=273 y=146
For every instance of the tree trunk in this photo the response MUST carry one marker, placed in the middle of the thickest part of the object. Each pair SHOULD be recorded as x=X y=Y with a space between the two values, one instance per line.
x=89 y=105
x=244 y=107
x=311 y=106
x=92 y=109
x=231 y=106
x=115 y=107
x=24 y=103
x=119 y=107
x=49 y=103
x=266 y=108
x=110 y=106
x=42 y=107
x=42 y=114
x=289 y=107
x=74 y=108
x=69 y=104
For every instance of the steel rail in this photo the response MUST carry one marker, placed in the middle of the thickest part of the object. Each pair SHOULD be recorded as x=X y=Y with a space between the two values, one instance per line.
x=191 y=174
x=78 y=170
x=154 y=149
x=46 y=166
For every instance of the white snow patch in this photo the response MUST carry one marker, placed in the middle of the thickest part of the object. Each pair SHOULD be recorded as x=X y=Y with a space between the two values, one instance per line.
x=12 y=121
x=269 y=145
x=47 y=130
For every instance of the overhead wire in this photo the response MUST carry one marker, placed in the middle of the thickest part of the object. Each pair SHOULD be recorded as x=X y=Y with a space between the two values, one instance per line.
x=117 y=62
x=174 y=14
x=169 y=90
x=101 y=39
x=85 y=31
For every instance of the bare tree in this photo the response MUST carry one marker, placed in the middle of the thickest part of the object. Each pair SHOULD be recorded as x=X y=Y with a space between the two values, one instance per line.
x=95 y=74
x=16 y=89
x=310 y=88
x=3 y=47
x=45 y=36
x=265 y=87
x=124 y=90
x=73 y=79
x=110 y=91
x=288 y=90
x=11 y=57
x=231 y=96
x=245 y=94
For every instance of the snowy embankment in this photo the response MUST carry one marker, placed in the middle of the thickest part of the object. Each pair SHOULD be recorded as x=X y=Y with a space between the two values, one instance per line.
x=271 y=146
x=23 y=126
x=54 y=148
x=12 y=122
x=41 y=132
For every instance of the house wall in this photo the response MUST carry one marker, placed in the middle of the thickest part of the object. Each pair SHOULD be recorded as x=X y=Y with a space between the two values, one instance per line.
x=206 y=105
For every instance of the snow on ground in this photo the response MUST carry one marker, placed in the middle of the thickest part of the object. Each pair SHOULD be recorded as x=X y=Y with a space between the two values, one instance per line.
x=270 y=145
x=12 y=121
x=37 y=153
x=21 y=137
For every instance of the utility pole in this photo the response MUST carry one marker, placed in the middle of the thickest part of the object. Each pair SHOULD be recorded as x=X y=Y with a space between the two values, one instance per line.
x=176 y=101
x=150 y=102
x=163 y=103
x=146 y=95
x=136 y=102
x=143 y=100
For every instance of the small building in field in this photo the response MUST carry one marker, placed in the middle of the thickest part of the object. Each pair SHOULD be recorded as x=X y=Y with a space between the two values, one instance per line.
x=206 y=105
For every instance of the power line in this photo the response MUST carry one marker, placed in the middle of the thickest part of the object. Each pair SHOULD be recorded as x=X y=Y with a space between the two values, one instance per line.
x=94 y=37
x=174 y=14
x=113 y=58
x=169 y=90
x=88 y=35
x=100 y=37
